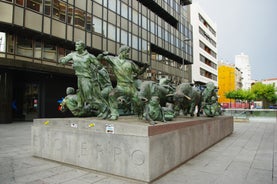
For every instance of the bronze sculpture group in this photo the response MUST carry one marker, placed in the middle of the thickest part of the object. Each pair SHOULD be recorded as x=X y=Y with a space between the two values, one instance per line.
x=151 y=101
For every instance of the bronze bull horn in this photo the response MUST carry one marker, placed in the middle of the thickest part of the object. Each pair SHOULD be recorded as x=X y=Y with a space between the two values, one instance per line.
x=187 y=97
x=169 y=95
x=144 y=99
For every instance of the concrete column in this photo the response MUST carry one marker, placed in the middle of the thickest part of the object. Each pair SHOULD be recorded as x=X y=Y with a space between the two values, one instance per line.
x=5 y=97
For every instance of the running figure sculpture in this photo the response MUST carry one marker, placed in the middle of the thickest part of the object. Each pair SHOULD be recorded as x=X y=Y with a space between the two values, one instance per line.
x=86 y=68
x=126 y=72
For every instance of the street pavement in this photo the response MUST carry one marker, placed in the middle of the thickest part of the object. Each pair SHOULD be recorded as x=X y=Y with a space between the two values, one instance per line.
x=248 y=156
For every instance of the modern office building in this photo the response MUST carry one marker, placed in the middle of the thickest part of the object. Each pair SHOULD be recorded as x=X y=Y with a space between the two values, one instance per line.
x=242 y=62
x=35 y=33
x=204 y=68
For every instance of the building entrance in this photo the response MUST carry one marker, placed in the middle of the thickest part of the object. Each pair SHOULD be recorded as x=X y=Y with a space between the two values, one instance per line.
x=30 y=101
x=25 y=100
x=26 y=95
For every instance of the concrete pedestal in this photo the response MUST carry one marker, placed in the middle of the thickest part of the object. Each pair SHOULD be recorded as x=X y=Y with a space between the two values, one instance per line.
x=127 y=147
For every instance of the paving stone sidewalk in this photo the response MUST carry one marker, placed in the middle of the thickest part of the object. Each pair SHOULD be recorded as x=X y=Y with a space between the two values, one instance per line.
x=248 y=156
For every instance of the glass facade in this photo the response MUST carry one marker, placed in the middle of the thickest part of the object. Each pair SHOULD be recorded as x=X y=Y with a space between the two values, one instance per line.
x=35 y=50
x=105 y=25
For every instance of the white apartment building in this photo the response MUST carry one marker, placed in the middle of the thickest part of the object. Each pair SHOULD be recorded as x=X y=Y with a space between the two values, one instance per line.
x=204 y=67
x=242 y=62
x=271 y=81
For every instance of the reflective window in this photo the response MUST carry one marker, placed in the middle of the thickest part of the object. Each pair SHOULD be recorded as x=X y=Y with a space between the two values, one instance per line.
x=61 y=52
x=34 y=48
x=139 y=20
x=144 y=45
x=178 y=43
x=189 y=50
x=159 y=31
x=144 y=22
x=135 y=42
x=124 y=37
x=81 y=4
x=104 y=29
x=34 y=5
x=49 y=52
x=153 y=27
x=111 y=31
x=98 y=1
x=69 y=14
x=118 y=9
x=56 y=9
x=97 y=10
x=10 y=43
x=129 y=39
x=79 y=17
x=139 y=43
x=174 y=40
x=2 y=42
x=187 y=32
x=88 y=22
x=112 y=5
x=130 y=14
x=105 y=3
x=124 y=10
x=47 y=7
x=166 y=35
x=175 y=6
x=37 y=50
x=24 y=47
x=97 y=23
x=20 y=2
x=59 y=10
x=62 y=11
x=172 y=3
x=117 y=34
x=135 y=16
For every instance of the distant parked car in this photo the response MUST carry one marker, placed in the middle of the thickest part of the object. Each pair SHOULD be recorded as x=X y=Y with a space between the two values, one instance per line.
x=273 y=106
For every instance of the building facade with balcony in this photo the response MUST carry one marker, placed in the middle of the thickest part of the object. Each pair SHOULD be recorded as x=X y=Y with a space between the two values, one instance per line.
x=242 y=62
x=204 y=68
x=238 y=75
x=226 y=81
x=35 y=34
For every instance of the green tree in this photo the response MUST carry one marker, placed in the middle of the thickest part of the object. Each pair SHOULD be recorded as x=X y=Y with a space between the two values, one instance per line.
x=248 y=95
x=265 y=93
x=235 y=94
x=230 y=95
x=240 y=94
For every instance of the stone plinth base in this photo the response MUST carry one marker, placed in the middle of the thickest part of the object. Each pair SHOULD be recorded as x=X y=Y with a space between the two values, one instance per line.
x=127 y=147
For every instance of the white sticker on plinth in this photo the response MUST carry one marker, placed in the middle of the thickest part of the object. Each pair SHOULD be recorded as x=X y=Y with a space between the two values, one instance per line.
x=74 y=125
x=109 y=129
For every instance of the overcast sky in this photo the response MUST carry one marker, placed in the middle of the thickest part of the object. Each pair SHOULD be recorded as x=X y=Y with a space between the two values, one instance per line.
x=248 y=26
